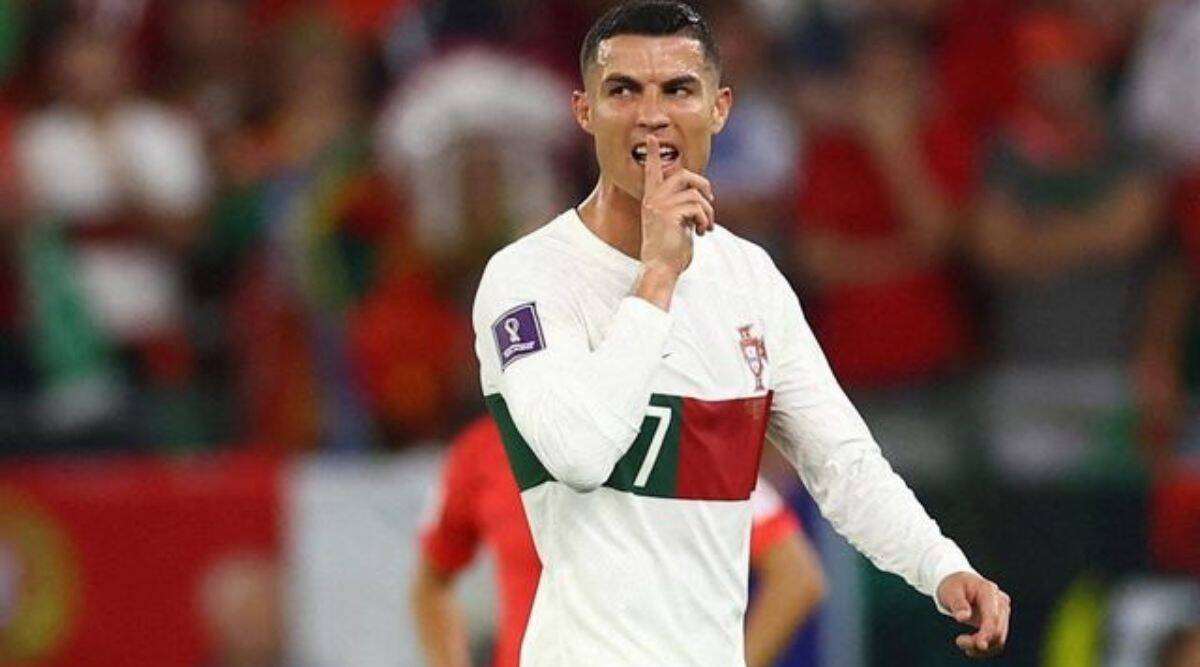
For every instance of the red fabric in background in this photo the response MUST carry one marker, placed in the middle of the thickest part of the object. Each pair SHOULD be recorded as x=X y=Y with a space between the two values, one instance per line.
x=140 y=537
x=1175 y=523
x=904 y=329
x=974 y=60
x=1186 y=205
x=8 y=195
x=411 y=349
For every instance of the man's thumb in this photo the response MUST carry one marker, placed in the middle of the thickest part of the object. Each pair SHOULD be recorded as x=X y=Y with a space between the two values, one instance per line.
x=962 y=613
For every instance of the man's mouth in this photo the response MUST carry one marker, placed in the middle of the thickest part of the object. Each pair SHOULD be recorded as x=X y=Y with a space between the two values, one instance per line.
x=666 y=152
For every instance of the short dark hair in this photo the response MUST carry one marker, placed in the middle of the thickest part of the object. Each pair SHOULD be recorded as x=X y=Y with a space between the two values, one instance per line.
x=656 y=18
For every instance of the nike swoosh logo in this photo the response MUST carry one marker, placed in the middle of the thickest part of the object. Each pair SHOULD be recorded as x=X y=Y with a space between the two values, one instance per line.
x=667 y=355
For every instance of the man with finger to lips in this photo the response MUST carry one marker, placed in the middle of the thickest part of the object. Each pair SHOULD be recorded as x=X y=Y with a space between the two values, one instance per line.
x=636 y=356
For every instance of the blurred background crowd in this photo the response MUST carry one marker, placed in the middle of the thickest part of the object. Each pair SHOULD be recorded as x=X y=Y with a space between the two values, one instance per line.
x=257 y=226
x=260 y=224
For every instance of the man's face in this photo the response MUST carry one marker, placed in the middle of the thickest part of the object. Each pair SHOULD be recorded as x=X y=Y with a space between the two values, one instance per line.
x=642 y=85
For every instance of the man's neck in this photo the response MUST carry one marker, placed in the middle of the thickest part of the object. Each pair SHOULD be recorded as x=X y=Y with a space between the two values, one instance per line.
x=614 y=216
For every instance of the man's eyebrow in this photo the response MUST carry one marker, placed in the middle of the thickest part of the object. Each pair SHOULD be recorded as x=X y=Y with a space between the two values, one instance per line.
x=623 y=79
x=682 y=80
x=674 y=82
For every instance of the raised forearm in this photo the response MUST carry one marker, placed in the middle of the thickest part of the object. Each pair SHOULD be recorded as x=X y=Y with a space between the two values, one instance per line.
x=925 y=212
x=832 y=260
x=1009 y=245
x=1014 y=242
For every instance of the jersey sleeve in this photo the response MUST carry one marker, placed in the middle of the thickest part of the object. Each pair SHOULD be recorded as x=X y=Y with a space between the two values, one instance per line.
x=578 y=406
x=450 y=532
x=816 y=428
x=773 y=521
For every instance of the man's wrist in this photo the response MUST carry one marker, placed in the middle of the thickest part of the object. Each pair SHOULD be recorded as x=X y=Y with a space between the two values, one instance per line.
x=656 y=284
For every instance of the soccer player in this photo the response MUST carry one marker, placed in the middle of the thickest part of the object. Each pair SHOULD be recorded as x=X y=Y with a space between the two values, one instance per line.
x=634 y=355
x=478 y=502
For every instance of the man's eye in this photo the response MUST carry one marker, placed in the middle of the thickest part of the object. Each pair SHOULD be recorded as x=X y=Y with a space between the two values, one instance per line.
x=679 y=92
x=620 y=91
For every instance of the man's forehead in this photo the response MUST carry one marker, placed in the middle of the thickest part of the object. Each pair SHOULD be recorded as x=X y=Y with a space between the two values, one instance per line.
x=651 y=57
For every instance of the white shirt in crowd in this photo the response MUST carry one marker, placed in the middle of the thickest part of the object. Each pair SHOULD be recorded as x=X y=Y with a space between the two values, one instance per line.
x=85 y=172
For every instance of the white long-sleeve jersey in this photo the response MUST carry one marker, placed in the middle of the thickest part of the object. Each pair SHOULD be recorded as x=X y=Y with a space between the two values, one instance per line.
x=635 y=437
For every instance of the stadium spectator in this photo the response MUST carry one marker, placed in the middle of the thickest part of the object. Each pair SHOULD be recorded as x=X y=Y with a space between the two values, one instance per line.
x=475 y=136
x=879 y=202
x=412 y=345
x=305 y=232
x=970 y=46
x=478 y=504
x=471 y=142
x=874 y=234
x=754 y=157
x=117 y=184
x=1064 y=226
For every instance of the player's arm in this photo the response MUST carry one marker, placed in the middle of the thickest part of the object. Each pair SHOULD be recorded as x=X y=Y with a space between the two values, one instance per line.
x=1012 y=243
x=578 y=408
x=815 y=426
x=449 y=538
x=440 y=625
x=791 y=583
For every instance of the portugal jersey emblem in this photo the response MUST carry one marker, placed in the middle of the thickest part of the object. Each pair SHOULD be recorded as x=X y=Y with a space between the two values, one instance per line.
x=755 y=352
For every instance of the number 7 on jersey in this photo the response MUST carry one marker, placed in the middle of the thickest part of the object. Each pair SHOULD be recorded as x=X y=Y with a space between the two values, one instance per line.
x=663 y=415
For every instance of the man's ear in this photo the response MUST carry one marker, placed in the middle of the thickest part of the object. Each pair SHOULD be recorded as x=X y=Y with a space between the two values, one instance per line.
x=720 y=114
x=582 y=108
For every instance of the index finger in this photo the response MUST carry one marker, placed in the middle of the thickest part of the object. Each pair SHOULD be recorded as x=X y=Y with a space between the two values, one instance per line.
x=684 y=179
x=991 y=620
x=653 y=168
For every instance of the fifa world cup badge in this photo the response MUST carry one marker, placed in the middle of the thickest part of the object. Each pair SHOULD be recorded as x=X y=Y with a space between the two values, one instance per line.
x=518 y=333
x=755 y=352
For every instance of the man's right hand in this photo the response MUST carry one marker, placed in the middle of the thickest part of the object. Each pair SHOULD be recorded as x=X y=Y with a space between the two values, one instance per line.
x=672 y=208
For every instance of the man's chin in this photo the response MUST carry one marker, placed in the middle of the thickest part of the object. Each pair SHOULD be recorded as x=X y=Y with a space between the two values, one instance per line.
x=631 y=187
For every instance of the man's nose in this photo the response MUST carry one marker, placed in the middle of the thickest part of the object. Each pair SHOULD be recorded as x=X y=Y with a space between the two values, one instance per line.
x=651 y=113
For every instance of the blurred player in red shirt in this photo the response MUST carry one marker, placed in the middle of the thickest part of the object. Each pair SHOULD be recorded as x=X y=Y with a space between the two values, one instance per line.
x=478 y=503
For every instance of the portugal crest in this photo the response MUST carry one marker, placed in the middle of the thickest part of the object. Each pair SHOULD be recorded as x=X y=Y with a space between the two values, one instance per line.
x=755 y=353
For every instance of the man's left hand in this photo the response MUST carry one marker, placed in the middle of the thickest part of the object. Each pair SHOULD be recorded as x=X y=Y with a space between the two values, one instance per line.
x=980 y=603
